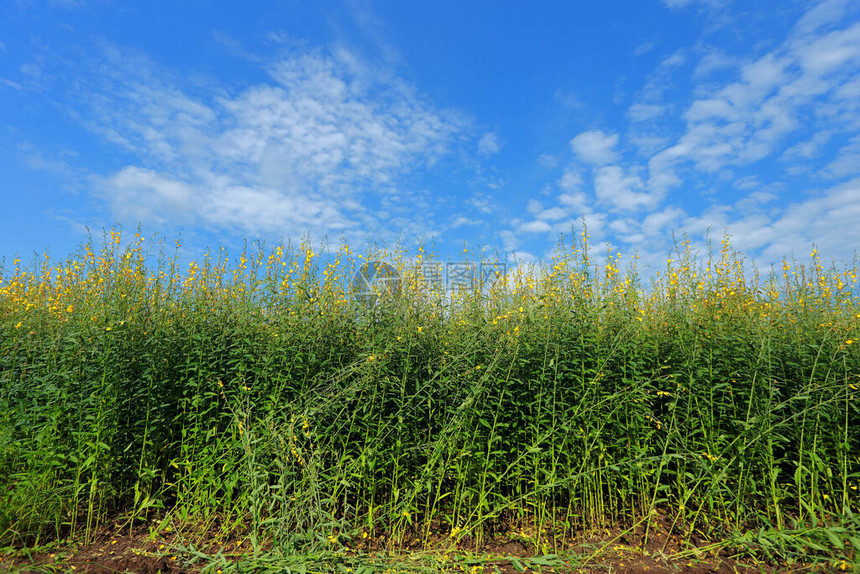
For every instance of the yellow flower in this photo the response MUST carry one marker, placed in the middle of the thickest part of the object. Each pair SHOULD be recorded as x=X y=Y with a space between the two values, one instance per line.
x=849 y=342
x=18 y=326
x=419 y=329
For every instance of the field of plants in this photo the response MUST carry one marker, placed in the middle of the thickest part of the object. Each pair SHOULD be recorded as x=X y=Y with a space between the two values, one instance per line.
x=248 y=406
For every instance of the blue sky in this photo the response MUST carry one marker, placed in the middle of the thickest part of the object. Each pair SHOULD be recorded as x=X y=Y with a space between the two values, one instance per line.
x=486 y=124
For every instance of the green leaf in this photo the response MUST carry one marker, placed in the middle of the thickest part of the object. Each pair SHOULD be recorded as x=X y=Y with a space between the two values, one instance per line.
x=834 y=540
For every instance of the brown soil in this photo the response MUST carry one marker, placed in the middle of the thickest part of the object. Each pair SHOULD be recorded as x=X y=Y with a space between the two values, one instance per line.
x=117 y=550
x=116 y=554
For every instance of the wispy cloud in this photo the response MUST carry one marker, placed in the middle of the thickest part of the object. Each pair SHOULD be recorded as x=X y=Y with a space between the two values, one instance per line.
x=679 y=4
x=595 y=147
x=747 y=116
x=827 y=220
x=640 y=112
x=489 y=144
x=712 y=61
x=321 y=148
x=644 y=48
x=847 y=162
x=146 y=195
x=650 y=102
x=822 y=15
x=621 y=190
x=750 y=118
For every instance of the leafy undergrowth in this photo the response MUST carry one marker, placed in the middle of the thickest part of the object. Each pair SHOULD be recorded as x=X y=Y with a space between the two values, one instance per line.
x=262 y=399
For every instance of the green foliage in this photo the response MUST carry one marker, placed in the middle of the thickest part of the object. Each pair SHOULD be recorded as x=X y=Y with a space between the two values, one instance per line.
x=255 y=398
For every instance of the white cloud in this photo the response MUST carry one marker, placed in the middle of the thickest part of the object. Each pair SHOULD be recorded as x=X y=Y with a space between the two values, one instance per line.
x=807 y=149
x=640 y=112
x=10 y=84
x=648 y=142
x=510 y=240
x=713 y=60
x=568 y=100
x=674 y=60
x=750 y=118
x=825 y=54
x=847 y=162
x=827 y=220
x=489 y=144
x=661 y=79
x=657 y=223
x=481 y=202
x=747 y=182
x=570 y=180
x=521 y=258
x=260 y=209
x=145 y=195
x=822 y=14
x=662 y=168
x=643 y=48
x=465 y=221
x=595 y=147
x=315 y=150
x=536 y=226
x=553 y=214
x=793 y=101
x=623 y=191
x=679 y=4
x=575 y=202
x=57 y=165
x=534 y=206
x=546 y=160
